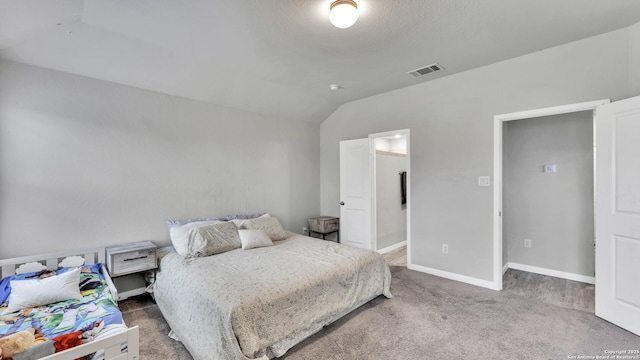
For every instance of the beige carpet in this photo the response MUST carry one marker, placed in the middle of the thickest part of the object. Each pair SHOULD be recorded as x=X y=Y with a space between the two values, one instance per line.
x=397 y=257
x=430 y=318
x=551 y=290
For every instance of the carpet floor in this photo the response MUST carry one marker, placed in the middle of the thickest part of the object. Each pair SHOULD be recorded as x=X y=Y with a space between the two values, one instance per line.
x=430 y=318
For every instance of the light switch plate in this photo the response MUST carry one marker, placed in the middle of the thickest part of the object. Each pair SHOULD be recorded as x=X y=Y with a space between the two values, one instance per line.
x=484 y=180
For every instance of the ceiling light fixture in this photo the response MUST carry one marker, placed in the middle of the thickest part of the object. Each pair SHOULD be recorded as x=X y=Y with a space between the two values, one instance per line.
x=343 y=13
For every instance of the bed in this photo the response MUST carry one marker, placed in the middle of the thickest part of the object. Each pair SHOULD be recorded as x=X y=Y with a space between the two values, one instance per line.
x=258 y=303
x=95 y=307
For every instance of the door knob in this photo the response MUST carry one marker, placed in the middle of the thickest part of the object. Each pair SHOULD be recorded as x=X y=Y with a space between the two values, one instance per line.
x=341 y=202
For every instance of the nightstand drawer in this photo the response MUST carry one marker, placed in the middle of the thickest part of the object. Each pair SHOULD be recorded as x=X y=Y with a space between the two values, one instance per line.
x=131 y=258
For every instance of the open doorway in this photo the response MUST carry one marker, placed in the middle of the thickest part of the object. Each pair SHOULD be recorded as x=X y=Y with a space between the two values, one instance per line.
x=548 y=209
x=501 y=260
x=390 y=195
x=617 y=173
x=358 y=197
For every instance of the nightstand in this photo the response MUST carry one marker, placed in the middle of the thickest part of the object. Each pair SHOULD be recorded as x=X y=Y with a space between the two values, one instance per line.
x=127 y=263
x=324 y=225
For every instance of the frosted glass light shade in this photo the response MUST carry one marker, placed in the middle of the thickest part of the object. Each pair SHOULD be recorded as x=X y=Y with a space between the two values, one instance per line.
x=343 y=13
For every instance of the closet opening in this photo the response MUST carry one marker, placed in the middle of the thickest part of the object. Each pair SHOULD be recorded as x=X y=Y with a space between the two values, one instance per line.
x=544 y=202
x=548 y=209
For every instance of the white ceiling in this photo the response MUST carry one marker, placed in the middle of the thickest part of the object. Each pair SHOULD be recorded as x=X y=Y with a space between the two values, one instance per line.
x=278 y=57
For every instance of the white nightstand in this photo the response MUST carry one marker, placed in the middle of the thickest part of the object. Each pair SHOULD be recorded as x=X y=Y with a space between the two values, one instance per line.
x=128 y=263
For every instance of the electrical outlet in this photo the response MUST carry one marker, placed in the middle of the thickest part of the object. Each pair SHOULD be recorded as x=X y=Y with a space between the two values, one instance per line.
x=527 y=243
x=305 y=230
x=445 y=248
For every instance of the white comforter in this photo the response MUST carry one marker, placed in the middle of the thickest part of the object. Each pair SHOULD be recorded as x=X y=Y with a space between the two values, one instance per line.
x=247 y=304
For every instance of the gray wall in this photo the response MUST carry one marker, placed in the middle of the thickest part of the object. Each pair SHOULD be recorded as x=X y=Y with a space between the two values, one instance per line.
x=554 y=210
x=90 y=163
x=391 y=214
x=451 y=123
x=634 y=55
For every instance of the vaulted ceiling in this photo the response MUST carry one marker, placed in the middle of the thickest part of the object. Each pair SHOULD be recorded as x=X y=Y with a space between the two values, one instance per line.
x=278 y=57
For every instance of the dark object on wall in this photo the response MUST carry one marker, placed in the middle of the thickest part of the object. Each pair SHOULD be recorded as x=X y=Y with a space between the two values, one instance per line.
x=403 y=187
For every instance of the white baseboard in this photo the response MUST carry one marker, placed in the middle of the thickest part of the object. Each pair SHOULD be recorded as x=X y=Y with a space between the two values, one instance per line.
x=505 y=268
x=453 y=276
x=392 y=247
x=554 y=273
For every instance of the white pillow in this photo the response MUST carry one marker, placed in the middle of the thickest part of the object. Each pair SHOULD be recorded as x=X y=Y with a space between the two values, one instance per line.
x=254 y=239
x=30 y=293
x=180 y=235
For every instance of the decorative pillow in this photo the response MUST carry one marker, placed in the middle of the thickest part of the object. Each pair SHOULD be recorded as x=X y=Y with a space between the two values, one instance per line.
x=180 y=235
x=270 y=225
x=213 y=239
x=31 y=293
x=239 y=223
x=254 y=239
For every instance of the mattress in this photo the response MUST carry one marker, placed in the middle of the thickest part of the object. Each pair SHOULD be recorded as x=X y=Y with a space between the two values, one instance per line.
x=257 y=303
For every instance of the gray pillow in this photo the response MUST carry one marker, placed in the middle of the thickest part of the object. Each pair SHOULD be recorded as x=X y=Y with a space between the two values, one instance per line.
x=213 y=239
x=270 y=225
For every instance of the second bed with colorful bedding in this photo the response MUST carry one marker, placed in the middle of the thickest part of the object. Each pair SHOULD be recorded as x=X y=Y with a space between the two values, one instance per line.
x=88 y=309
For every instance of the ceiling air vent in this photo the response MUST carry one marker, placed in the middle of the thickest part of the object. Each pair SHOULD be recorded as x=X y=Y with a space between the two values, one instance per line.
x=425 y=70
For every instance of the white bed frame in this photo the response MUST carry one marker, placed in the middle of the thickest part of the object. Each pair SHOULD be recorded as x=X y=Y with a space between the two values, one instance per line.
x=112 y=344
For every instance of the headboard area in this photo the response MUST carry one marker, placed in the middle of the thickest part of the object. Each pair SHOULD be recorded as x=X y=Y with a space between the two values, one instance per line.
x=51 y=261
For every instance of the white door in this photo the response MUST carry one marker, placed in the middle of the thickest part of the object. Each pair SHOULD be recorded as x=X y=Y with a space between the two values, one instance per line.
x=618 y=213
x=355 y=193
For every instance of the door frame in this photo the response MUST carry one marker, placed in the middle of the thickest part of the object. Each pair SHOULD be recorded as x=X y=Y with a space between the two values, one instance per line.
x=497 y=169
x=374 y=214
